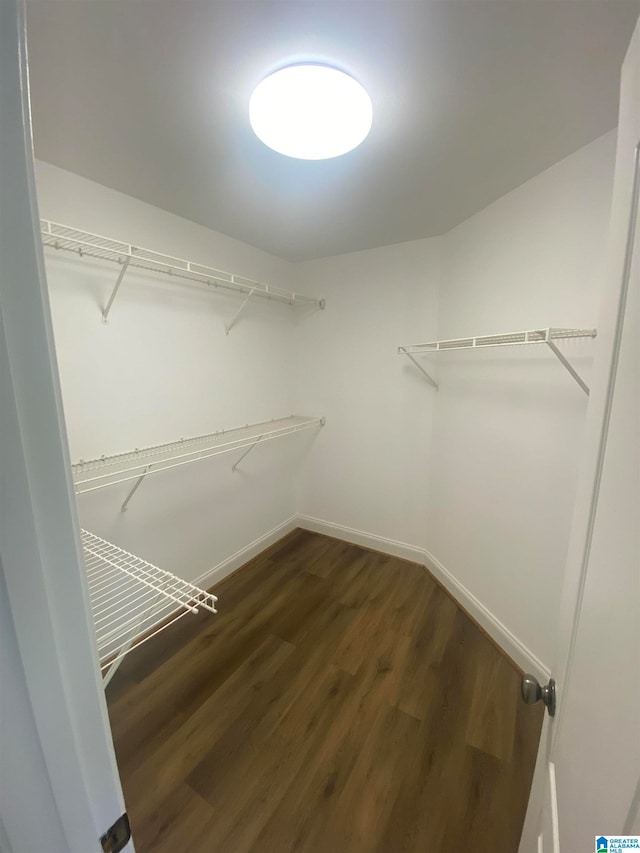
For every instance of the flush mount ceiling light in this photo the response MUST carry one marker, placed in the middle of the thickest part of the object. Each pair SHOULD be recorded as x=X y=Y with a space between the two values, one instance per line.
x=311 y=112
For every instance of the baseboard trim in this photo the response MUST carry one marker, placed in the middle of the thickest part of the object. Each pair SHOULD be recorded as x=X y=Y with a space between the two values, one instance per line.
x=359 y=537
x=488 y=622
x=497 y=630
x=235 y=561
x=522 y=656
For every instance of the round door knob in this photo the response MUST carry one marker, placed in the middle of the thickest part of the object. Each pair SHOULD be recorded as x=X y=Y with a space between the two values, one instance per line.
x=532 y=692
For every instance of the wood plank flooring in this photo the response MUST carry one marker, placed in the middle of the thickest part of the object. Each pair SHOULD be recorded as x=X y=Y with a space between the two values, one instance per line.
x=339 y=703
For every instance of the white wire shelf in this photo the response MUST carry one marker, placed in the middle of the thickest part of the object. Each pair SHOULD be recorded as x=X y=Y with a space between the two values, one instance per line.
x=531 y=336
x=132 y=600
x=137 y=464
x=92 y=245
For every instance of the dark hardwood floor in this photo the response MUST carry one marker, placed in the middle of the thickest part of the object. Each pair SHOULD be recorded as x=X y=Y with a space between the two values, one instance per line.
x=340 y=702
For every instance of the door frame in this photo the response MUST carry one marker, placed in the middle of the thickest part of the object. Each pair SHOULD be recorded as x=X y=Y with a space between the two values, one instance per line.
x=620 y=250
x=39 y=531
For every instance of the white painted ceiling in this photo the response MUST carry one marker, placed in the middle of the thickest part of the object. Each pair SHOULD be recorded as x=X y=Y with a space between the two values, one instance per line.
x=471 y=98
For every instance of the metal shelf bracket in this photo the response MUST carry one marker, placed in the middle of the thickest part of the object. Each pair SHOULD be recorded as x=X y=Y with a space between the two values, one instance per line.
x=116 y=287
x=236 y=317
x=114 y=664
x=135 y=488
x=566 y=363
x=430 y=379
x=246 y=453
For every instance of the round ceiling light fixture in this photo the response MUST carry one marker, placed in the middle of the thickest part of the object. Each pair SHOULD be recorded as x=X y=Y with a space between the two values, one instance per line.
x=311 y=112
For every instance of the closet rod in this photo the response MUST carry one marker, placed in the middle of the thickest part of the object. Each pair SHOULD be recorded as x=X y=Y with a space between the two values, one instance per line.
x=133 y=600
x=71 y=239
x=137 y=464
x=532 y=336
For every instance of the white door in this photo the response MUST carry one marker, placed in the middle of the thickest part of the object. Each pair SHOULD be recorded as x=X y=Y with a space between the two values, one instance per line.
x=587 y=781
x=59 y=776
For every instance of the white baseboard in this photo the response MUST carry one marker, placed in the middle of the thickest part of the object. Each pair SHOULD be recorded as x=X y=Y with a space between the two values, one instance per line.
x=499 y=632
x=235 y=561
x=366 y=540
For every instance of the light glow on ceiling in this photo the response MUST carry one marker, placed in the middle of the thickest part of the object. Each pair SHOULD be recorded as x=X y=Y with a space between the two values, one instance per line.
x=310 y=112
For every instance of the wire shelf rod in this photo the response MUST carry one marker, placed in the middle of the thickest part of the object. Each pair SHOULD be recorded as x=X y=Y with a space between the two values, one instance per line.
x=215 y=439
x=532 y=336
x=127 y=597
x=104 y=593
x=230 y=438
x=119 y=623
x=130 y=587
x=127 y=592
x=142 y=575
x=86 y=243
x=132 y=600
x=89 y=244
x=129 y=600
x=111 y=470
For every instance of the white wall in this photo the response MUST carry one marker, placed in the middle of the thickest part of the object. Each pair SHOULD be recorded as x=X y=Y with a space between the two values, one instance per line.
x=368 y=471
x=163 y=368
x=481 y=473
x=509 y=423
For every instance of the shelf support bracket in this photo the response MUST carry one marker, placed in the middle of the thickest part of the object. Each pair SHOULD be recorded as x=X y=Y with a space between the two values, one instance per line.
x=135 y=488
x=429 y=378
x=566 y=363
x=246 y=453
x=232 y=322
x=115 y=663
x=116 y=287
x=124 y=649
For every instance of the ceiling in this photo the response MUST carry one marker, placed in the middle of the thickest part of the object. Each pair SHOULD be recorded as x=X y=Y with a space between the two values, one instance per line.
x=471 y=98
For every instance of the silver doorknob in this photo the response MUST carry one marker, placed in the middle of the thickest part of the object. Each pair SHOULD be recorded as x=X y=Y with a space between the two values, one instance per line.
x=532 y=692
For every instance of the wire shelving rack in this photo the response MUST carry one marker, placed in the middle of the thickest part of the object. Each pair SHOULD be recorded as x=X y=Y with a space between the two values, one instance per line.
x=137 y=464
x=532 y=336
x=83 y=243
x=133 y=600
